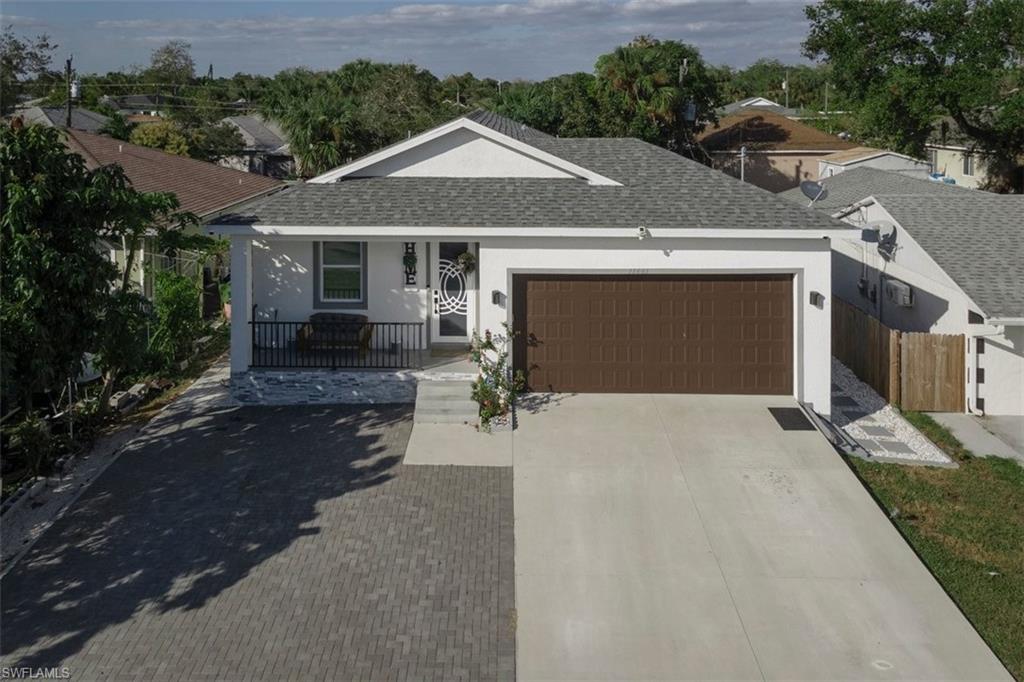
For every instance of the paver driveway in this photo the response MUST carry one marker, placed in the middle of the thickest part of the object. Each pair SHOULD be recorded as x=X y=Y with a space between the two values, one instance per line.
x=277 y=543
x=671 y=537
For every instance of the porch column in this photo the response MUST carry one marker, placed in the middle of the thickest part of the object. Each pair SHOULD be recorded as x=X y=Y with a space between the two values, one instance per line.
x=241 y=303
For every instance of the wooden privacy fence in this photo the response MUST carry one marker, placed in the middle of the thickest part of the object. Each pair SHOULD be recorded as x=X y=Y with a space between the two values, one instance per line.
x=914 y=370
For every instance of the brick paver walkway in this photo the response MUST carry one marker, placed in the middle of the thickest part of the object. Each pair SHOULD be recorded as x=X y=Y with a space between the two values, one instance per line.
x=283 y=543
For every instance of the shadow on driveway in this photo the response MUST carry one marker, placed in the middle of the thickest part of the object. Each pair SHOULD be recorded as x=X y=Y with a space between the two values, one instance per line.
x=263 y=542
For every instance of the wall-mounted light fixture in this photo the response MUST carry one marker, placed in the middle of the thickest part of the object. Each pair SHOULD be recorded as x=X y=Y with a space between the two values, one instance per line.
x=817 y=299
x=498 y=298
x=642 y=233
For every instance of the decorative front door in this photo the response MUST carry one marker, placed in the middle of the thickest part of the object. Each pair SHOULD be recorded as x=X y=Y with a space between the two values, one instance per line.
x=452 y=292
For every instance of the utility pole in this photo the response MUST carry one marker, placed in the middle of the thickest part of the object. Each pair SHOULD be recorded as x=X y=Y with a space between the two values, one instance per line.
x=785 y=86
x=67 y=76
x=826 y=98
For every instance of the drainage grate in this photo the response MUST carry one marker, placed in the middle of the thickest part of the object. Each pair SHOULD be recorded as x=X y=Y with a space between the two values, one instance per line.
x=791 y=418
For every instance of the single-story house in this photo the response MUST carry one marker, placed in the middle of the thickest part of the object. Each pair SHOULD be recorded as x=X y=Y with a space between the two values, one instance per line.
x=266 y=150
x=959 y=160
x=936 y=258
x=202 y=188
x=869 y=157
x=768 y=149
x=56 y=117
x=620 y=266
x=130 y=106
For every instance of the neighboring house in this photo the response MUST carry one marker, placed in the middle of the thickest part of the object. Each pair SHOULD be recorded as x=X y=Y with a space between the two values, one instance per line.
x=869 y=157
x=768 y=149
x=137 y=108
x=621 y=266
x=266 y=149
x=56 y=117
x=955 y=156
x=760 y=103
x=202 y=188
x=953 y=264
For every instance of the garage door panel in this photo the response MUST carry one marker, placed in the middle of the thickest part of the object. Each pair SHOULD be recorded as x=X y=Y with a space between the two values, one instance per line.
x=692 y=334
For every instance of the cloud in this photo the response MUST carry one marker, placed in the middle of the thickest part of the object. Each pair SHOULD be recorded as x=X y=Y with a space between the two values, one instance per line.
x=517 y=38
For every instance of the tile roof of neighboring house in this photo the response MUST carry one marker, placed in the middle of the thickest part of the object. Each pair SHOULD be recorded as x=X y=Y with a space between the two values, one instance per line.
x=259 y=134
x=505 y=126
x=760 y=130
x=81 y=119
x=660 y=190
x=849 y=187
x=202 y=188
x=976 y=237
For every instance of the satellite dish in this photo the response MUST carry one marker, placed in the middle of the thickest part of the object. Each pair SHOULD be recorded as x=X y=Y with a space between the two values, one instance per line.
x=813 y=190
x=886 y=237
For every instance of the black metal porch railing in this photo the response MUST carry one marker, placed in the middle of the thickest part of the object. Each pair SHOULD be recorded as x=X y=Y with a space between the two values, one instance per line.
x=337 y=345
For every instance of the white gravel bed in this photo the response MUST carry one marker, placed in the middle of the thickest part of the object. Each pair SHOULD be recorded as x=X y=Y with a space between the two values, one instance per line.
x=879 y=413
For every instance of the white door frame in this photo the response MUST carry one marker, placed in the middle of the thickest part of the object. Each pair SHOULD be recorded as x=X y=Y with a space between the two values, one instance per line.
x=436 y=300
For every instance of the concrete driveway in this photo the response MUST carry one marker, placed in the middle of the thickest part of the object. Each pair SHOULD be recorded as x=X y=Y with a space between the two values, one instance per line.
x=672 y=537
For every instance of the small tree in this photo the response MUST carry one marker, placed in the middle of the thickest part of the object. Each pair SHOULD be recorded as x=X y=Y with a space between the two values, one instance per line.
x=496 y=388
x=54 y=281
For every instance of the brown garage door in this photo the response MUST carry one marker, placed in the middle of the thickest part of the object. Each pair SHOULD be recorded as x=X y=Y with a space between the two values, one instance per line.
x=654 y=333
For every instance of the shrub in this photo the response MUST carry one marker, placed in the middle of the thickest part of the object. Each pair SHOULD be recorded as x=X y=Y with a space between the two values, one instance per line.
x=496 y=388
x=32 y=438
x=178 y=316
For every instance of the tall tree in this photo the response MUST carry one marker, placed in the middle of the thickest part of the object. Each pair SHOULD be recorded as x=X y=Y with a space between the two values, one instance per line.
x=172 y=64
x=644 y=89
x=903 y=62
x=21 y=58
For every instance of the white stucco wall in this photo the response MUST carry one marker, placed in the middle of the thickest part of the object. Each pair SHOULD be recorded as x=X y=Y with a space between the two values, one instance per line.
x=940 y=307
x=283 y=282
x=462 y=154
x=808 y=259
x=1003 y=363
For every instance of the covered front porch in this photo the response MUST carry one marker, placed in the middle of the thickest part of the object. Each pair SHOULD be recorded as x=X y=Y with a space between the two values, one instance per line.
x=328 y=304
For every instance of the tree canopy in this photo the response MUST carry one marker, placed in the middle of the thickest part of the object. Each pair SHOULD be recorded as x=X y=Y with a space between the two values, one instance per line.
x=19 y=59
x=903 y=63
x=56 y=285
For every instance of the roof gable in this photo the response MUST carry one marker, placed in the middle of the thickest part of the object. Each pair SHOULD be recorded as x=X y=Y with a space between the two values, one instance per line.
x=466 y=148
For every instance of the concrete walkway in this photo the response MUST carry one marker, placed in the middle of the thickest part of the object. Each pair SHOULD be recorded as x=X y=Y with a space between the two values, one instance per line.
x=690 y=537
x=972 y=432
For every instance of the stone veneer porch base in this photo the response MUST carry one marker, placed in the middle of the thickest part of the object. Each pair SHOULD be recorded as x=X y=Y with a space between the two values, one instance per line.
x=331 y=387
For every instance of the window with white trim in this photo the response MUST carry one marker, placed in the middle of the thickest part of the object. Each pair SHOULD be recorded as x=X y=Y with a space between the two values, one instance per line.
x=341 y=272
x=968 y=163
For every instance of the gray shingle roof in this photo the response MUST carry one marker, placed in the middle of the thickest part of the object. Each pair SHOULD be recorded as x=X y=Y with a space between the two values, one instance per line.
x=81 y=119
x=851 y=186
x=976 y=237
x=505 y=126
x=259 y=135
x=660 y=190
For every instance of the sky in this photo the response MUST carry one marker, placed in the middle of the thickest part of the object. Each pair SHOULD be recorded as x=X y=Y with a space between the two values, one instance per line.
x=509 y=39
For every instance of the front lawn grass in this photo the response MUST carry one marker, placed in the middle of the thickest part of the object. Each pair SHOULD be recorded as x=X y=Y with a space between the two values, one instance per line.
x=967 y=525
